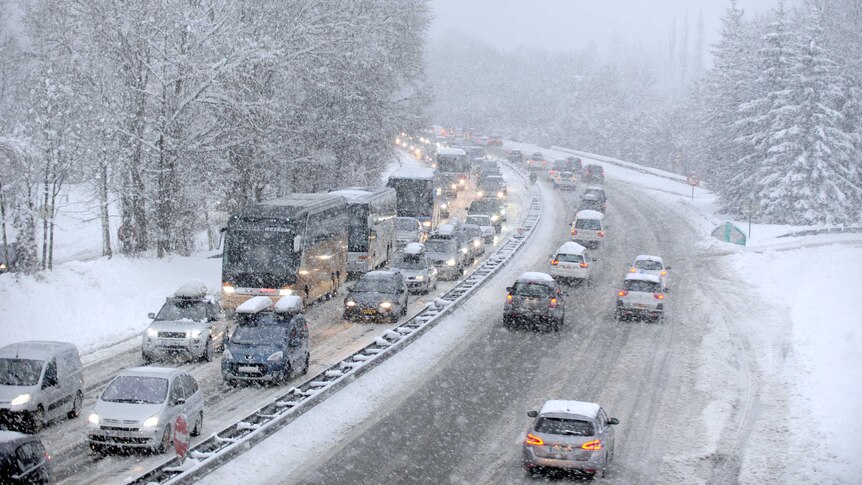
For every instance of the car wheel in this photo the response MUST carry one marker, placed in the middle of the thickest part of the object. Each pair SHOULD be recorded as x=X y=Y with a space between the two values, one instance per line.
x=306 y=364
x=77 y=404
x=37 y=420
x=166 y=442
x=97 y=449
x=199 y=425
x=208 y=351
x=231 y=382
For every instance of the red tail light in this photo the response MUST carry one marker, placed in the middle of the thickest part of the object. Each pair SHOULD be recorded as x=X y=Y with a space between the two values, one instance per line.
x=585 y=265
x=554 y=303
x=554 y=262
x=533 y=440
x=601 y=234
x=594 y=445
x=509 y=298
x=574 y=232
x=622 y=293
x=658 y=296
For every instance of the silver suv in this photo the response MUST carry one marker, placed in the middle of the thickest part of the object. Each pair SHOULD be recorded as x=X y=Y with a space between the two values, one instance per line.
x=535 y=300
x=641 y=296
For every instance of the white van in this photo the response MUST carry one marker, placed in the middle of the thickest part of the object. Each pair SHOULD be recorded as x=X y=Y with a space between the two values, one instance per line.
x=40 y=382
x=570 y=263
x=588 y=228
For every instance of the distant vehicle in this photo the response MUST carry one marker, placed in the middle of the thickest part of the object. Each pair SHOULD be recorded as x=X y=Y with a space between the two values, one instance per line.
x=495 y=141
x=485 y=223
x=23 y=459
x=537 y=162
x=494 y=208
x=449 y=231
x=416 y=195
x=594 y=174
x=516 y=156
x=641 y=296
x=474 y=237
x=407 y=230
x=570 y=435
x=295 y=245
x=419 y=273
x=453 y=166
x=8 y=258
x=565 y=181
x=588 y=228
x=445 y=255
x=591 y=202
x=653 y=265
x=574 y=164
x=558 y=166
x=139 y=407
x=270 y=343
x=378 y=295
x=488 y=166
x=599 y=193
x=190 y=324
x=39 y=383
x=475 y=153
x=571 y=263
x=534 y=300
x=371 y=234
x=492 y=186
x=444 y=207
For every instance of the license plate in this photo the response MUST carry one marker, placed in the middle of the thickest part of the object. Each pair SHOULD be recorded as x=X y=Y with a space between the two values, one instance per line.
x=369 y=312
x=640 y=305
x=247 y=369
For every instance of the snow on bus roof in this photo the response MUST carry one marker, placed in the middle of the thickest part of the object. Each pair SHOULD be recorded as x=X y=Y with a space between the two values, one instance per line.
x=579 y=408
x=589 y=214
x=450 y=151
x=414 y=173
x=571 y=247
x=647 y=257
x=288 y=304
x=255 y=305
x=351 y=194
x=535 y=276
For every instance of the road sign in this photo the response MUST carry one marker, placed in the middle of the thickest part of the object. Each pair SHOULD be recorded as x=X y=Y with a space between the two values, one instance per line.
x=693 y=179
x=181 y=437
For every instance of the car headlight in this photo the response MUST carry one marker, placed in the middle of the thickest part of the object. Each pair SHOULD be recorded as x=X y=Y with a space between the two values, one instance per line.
x=462 y=182
x=444 y=206
x=454 y=186
x=495 y=218
x=195 y=333
x=350 y=303
x=276 y=356
x=502 y=212
x=500 y=195
x=464 y=250
x=152 y=332
x=2 y=265
x=477 y=243
x=227 y=355
x=386 y=305
x=93 y=419
x=228 y=289
x=451 y=262
x=22 y=399
x=151 y=422
x=285 y=292
x=480 y=194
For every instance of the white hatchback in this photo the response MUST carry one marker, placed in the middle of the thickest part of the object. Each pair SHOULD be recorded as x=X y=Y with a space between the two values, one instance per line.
x=588 y=228
x=642 y=296
x=571 y=263
x=653 y=265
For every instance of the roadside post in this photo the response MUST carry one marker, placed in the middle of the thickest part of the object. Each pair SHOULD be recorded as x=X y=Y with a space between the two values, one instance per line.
x=181 y=437
x=693 y=179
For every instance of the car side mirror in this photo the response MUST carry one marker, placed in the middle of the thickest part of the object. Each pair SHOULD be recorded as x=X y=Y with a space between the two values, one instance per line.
x=532 y=414
x=509 y=289
x=151 y=316
x=613 y=421
x=667 y=267
x=667 y=290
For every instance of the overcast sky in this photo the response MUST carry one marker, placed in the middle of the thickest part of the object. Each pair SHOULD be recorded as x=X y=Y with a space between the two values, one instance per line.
x=568 y=24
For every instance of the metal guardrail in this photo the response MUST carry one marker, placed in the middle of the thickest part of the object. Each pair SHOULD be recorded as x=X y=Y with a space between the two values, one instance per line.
x=239 y=437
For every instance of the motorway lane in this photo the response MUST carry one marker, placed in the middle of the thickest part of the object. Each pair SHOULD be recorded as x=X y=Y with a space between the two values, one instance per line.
x=466 y=423
x=332 y=339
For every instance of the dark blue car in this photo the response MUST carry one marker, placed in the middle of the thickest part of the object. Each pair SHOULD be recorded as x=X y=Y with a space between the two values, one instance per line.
x=266 y=346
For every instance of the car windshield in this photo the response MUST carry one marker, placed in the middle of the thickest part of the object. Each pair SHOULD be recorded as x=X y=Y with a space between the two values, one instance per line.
x=590 y=224
x=439 y=246
x=472 y=231
x=183 y=310
x=648 y=265
x=405 y=224
x=531 y=289
x=479 y=220
x=259 y=334
x=375 y=285
x=559 y=164
x=571 y=427
x=642 y=286
x=260 y=251
x=570 y=258
x=408 y=261
x=20 y=372
x=136 y=389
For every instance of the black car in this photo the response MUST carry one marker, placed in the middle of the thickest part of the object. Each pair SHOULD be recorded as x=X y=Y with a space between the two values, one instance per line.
x=574 y=164
x=535 y=300
x=23 y=459
x=594 y=174
x=516 y=156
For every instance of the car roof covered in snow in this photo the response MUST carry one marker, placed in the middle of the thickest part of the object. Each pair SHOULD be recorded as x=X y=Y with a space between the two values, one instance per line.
x=450 y=151
x=595 y=187
x=643 y=277
x=414 y=248
x=445 y=229
x=163 y=372
x=288 y=304
x=351 y=194
x=589 y=214
x=191 y=289
x=255 y=304
x=35 y=350
x=647 y=257
x=571 y=247
x=535 y=276
x=578 y=408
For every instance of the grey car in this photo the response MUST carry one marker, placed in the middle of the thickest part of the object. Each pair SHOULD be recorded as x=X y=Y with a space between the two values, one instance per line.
x=574 y=436
x=419 y=273
x=534 y=301
x=446 y=256
x=378 y=295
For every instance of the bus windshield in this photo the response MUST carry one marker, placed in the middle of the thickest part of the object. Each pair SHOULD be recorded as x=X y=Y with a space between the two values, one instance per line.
x=260 y=251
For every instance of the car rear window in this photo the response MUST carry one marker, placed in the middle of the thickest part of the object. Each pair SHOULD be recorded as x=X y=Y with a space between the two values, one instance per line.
x=642 y=286
x=648 y=265
x=591 y=224
x=571 y=427
x=570 y=258
x=531 y=289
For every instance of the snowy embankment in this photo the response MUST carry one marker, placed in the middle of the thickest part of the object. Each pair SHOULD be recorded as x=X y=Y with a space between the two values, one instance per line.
x=808 y=335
